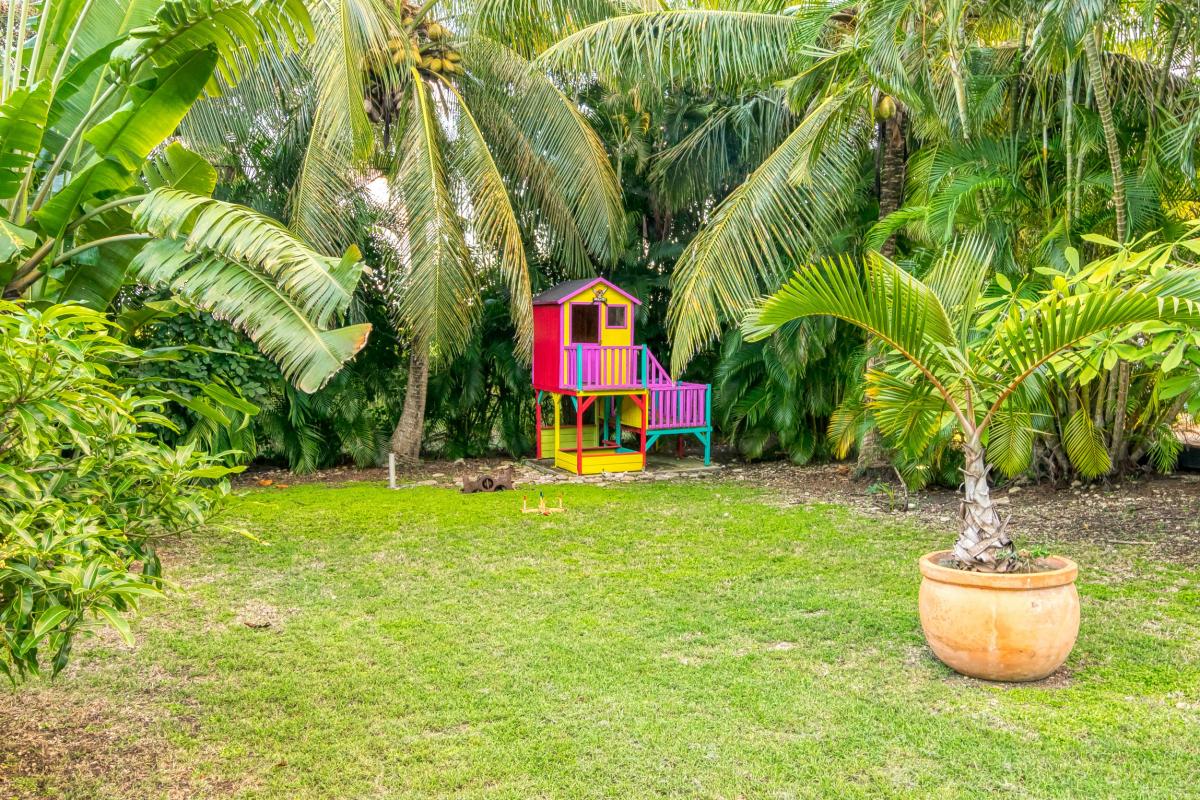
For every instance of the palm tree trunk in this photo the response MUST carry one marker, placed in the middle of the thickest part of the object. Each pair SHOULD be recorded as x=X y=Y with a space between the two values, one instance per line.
x=983 y=538
x=1118 y=447
x=872 y=457
x=1091 y=46
x=406 y=439
x=892 y=163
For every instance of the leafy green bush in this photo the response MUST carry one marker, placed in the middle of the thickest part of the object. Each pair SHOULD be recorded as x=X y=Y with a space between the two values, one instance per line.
x=85 y=487
x=779 y=395
x=481 y=402
x=208 y=355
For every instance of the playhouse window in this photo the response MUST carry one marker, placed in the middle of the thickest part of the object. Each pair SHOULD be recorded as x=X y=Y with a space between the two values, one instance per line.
x=615 y=317
x=585 y=324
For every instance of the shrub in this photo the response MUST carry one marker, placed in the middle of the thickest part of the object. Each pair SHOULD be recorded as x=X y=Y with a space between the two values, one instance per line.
x=86 y=489
x=209 y=355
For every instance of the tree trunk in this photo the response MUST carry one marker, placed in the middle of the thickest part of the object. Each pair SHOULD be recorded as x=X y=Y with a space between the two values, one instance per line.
x=1118 y=446
x=872 y=456
x=406 y=439
x=892 y=163
x=1091 y=45
x=983 y=539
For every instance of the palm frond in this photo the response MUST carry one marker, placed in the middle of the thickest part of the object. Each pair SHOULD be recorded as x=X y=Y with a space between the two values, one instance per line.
x=555 y=137
x=704 y=162
x=908 y=411
x=493 y=219
x=438 y=282
x=880 y=298
x=732 y=50
x=530 y=26
x=1010 y=440
x=1029 y=338
x=1085 y=445
x=958 y=277
x=341 y=139
x=756 y=235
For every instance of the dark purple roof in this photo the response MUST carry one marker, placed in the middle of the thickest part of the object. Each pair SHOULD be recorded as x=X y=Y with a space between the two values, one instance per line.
x=559 y=294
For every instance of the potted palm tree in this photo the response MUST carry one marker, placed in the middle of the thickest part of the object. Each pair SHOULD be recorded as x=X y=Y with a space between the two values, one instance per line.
x=987 y=610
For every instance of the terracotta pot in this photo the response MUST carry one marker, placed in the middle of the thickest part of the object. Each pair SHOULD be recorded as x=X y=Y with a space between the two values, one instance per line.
x=1014 y=627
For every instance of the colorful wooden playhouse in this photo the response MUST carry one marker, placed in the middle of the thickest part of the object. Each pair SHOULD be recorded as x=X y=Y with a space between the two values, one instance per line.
x=621 y=398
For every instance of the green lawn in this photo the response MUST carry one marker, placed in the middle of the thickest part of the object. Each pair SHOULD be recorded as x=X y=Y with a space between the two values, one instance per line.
x=656 y=640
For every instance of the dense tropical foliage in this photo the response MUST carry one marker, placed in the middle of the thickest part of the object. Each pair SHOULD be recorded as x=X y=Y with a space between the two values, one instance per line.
x=471 y=164
x=927 y=121
x=86 y=484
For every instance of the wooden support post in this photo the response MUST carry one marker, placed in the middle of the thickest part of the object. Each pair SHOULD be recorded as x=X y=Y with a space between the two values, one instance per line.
x=605 y=404
x=578 y=437
x=618 y=405
x=645 y=425
x=708 y=424
x=537 y=414
x=557 y=425
x=391 y=470
x=642 y=402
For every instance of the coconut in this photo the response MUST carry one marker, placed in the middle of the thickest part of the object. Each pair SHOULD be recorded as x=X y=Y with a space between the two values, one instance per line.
x=885 y=108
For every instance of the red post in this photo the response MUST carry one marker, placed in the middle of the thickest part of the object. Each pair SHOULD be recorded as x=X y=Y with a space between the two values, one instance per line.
x=641 y=402
x=645 y=426
x=578 y=436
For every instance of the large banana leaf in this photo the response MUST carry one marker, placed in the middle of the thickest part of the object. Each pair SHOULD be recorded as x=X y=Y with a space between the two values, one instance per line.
x=22 y=124
x=153 y=110
x=125 y=139
x=319 y=286
x=249 y=270
x=252 y=302
x=93 y=278
x=179 y=168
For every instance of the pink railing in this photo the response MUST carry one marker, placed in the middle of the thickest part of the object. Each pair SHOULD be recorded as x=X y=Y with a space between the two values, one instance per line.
x=593 y=366
x=683 y=405
x=655 y=374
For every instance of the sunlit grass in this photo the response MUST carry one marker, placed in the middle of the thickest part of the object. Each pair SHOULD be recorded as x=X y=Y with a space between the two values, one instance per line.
x=656 y=640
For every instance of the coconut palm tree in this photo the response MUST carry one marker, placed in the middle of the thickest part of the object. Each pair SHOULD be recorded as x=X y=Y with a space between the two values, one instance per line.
x=478 y=160
x=982 y=376
x=92 y=201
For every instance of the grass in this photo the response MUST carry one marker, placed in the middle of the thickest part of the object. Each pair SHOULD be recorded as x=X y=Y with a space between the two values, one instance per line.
x=657 y=640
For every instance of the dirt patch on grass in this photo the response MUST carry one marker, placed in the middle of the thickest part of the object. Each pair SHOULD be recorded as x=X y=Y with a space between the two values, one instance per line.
x=261 y=616
x=1161 y=513
x=56 y=744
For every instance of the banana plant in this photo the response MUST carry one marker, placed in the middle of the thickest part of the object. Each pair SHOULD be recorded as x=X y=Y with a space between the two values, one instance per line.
x=93 y=197
x=983 y=377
